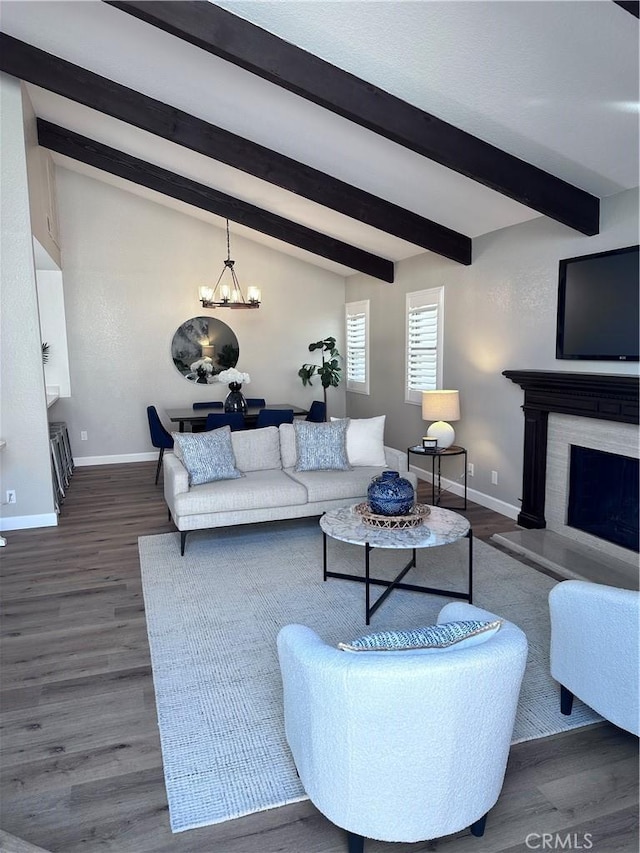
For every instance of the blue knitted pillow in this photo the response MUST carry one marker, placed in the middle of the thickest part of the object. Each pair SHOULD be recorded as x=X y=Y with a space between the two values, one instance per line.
x=207 y=456
x=444 y=636
x=321 y=447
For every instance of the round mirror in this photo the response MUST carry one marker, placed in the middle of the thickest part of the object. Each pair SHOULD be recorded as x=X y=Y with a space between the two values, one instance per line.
x=202 y=347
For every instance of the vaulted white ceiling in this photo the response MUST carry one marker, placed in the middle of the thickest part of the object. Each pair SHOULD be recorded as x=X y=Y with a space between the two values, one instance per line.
x=553 y=83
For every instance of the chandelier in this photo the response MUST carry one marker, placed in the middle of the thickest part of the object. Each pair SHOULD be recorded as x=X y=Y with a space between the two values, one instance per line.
x=228 y=295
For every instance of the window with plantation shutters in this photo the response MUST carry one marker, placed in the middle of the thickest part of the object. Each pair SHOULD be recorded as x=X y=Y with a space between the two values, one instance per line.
x=357 y=337
x=424 y=318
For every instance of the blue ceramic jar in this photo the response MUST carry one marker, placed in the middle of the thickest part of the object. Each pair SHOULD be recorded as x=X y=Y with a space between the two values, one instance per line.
x=390 y=494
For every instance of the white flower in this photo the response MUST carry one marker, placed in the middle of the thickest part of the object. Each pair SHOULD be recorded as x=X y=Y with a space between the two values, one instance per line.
x=205 y=364
x=233 y=375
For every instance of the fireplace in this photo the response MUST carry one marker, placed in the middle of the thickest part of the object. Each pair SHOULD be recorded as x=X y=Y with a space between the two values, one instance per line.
x=603 y=496
x=598 y=411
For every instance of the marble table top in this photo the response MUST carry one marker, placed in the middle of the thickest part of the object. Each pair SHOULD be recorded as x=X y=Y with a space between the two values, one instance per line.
x=441 y=527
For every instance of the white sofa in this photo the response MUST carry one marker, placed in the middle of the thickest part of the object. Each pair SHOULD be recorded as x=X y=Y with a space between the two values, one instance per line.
x=271 y=488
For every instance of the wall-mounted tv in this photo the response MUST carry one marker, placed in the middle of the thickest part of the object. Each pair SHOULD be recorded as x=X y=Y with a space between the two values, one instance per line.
x=599 y=307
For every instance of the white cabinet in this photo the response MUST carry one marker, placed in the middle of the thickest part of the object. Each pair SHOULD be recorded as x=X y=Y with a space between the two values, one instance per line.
x=51 y=210
x=42 y=186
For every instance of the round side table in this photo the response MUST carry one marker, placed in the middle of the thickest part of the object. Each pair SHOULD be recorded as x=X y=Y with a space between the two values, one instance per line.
x=454 y=450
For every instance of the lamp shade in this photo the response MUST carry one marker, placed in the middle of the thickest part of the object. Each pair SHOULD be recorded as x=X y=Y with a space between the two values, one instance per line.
x=440 y=406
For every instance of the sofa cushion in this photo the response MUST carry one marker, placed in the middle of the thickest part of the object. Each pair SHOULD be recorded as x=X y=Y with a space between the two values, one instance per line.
x=365 y=440
x=321 y=446
x=288 y=445
x=335 y=485
x=207 y=456
x=444 y=636
x=257 y=449
x=256 y=490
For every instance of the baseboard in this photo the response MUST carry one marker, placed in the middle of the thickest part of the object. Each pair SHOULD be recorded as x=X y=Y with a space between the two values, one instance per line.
x=501 y=507
x=26 y=522
x=118 y=459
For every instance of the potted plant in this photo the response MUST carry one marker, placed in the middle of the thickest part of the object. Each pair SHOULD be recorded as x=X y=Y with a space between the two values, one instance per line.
x=329 y=371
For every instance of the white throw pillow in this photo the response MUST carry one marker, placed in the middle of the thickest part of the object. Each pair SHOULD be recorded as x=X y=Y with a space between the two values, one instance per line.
x=365 y=441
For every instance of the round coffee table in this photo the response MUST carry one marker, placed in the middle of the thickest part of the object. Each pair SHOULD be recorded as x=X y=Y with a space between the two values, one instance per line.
x=441 y=527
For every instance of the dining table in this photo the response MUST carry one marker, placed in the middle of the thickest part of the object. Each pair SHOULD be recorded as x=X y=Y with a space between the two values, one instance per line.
x=198 y=417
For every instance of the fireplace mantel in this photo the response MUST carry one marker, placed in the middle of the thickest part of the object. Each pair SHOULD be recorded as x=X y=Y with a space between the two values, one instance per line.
x=591 y=395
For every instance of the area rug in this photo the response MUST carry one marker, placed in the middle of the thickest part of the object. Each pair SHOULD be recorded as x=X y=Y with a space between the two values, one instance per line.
x=213 y=617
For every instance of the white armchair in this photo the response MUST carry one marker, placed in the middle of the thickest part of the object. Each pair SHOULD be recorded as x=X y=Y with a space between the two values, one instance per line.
x=402 y=746
x=594 y=649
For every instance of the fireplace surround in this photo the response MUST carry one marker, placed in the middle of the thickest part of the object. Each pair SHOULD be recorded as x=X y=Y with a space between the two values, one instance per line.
x=590 y=395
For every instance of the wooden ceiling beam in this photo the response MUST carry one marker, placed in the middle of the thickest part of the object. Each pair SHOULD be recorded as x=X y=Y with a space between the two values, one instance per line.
x=57 y=75
x=268 y=56
x=168 y=183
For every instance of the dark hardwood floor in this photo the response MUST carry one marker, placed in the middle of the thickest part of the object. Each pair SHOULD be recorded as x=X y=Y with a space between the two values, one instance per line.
x=80 y=762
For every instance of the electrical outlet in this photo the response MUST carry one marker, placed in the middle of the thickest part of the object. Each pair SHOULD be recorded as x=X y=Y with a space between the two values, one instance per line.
x=11 y=496
x=494 y=478
x=470 y=469
x=83 y=435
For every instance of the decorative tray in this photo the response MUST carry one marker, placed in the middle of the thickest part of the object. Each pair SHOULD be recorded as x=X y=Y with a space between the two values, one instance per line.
x=415 y=517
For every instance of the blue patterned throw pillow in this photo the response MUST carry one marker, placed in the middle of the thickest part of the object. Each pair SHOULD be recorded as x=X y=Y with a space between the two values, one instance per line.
x=322 y=447
x=444 y=636
x=207 y=456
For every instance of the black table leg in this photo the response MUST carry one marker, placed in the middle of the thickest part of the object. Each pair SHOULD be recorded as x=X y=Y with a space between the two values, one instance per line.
x=367 y=611
x=433 y=480
x=470 y=538
x=324 y=556
x=370 y=609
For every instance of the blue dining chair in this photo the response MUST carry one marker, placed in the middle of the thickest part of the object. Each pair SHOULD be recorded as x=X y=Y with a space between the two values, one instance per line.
x=218 y=404
x=317 y=412
x=256 y=401
x=219 y=419
x=160 y=437
x=274 y=417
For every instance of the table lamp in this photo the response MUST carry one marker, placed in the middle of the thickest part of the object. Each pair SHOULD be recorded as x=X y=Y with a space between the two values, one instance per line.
x=441 y=407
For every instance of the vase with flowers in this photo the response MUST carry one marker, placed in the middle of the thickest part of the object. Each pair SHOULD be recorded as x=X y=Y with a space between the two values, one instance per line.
x=205 y=370
x=235 y=379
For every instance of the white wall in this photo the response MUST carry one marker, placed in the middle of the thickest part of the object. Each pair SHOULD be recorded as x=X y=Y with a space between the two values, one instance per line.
x=53 y=329
x=131 y=272
x=500 y=314
x=25 y=464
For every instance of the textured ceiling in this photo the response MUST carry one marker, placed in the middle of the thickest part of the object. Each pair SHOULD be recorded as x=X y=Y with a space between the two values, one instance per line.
x=554 y=83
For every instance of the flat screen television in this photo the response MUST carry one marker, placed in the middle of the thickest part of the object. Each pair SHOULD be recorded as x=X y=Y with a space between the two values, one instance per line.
x=598 y=307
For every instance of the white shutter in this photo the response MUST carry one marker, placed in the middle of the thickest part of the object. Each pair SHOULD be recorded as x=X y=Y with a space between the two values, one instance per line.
x=357 y=337
x=424 y=343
